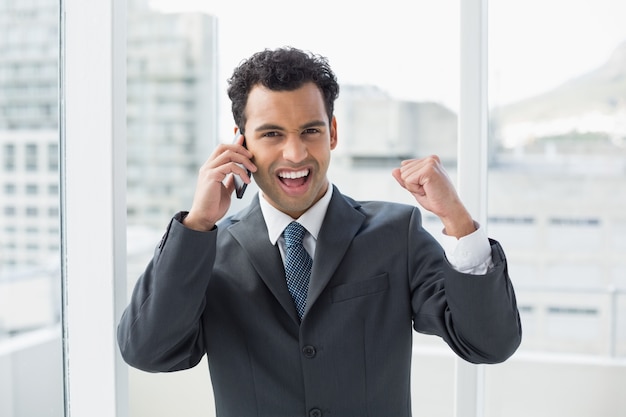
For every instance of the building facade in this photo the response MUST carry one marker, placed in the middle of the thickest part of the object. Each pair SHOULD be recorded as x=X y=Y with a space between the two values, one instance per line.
x=29 y=134
x=171 y=110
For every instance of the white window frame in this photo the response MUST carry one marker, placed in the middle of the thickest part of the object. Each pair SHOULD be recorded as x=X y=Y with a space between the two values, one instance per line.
x=472 y=167
x=93 y=210
x=93 y=166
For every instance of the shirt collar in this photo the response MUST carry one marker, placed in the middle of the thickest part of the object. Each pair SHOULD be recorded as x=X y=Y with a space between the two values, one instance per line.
x=312 y=219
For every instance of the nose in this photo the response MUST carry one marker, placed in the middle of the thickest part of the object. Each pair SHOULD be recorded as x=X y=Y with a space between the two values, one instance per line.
x=294 y=149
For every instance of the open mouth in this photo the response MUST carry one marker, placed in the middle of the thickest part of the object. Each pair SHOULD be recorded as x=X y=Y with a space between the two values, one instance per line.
x=294 y=178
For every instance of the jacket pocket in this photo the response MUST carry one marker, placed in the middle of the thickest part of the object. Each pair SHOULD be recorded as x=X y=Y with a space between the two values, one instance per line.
x=351 y=290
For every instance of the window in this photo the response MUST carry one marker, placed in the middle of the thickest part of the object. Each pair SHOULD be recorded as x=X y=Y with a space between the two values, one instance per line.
x=557 y=156
x=9 y=157
x=53 y=157
x=31 y=189
x=30 y=286
x=32 y=211
x=498 y=401
x=30 y=161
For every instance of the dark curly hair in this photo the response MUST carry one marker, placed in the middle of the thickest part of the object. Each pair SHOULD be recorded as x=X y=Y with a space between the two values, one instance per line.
x=283 y=69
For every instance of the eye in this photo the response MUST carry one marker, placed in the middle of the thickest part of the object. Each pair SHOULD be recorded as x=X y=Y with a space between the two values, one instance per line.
x=310 y=131
x=271 y=134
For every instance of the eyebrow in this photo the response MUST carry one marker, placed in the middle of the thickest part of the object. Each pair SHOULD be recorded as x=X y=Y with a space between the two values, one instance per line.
x=270 y=126
x=314 y=123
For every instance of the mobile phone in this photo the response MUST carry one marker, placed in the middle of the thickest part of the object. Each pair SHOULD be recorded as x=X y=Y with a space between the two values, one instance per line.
x=240 y=186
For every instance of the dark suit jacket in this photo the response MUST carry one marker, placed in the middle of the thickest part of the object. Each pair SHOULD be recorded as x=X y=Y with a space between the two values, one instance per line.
x=376 y=274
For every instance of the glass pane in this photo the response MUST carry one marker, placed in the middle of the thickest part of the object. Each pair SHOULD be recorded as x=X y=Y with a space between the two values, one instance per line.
x=398 y=99
x=557 y=202
x=31 y=363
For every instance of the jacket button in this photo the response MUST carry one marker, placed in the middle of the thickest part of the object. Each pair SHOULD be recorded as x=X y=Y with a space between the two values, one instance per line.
x=315 y=412
x=309 y=352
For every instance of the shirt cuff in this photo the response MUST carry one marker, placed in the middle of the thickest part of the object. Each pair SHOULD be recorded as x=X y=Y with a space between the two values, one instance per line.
x=470 y=254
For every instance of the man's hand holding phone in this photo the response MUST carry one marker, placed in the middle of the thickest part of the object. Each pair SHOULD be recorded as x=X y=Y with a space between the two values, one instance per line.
x=216 y=183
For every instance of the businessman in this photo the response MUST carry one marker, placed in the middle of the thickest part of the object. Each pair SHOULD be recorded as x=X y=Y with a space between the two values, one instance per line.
x=305 y=301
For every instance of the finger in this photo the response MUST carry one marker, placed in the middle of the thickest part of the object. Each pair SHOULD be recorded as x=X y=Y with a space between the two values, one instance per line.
x=412 y=174
x=229 y=157
x=415 y=179
x=239 y=170
x=412 y=187
x=412 y=167
x=228 y=150
x=397 y=174
x=423 y=171
x=432 y=160
x=236 y=152
x=239 y=138
x=242 y=150
x=229 y=184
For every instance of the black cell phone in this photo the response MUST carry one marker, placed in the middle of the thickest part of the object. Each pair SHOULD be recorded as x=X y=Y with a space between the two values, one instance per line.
x=240 y=186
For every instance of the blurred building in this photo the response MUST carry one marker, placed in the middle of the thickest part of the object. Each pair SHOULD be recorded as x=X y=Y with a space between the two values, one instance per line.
x=171 y=122
x=378 y=130
x=171 y=109
x=29 y=134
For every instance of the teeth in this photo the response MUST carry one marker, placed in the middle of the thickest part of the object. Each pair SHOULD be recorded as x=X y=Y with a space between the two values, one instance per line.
x=294 y=175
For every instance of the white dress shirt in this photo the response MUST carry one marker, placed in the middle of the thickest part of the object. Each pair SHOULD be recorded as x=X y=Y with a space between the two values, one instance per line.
x=470 y=254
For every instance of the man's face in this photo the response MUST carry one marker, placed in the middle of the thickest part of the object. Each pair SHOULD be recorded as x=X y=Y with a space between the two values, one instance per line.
x=290 y=136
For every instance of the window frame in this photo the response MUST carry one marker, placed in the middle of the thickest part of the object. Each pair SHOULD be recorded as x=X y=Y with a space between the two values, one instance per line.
x=472 y=160
x=92 y=81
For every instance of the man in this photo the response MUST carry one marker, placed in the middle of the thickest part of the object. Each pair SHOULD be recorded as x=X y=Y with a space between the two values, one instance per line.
x=340 y=344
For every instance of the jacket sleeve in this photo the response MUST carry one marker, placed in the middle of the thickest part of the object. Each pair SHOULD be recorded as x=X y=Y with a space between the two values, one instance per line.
x=476 y=315
x=161 y=330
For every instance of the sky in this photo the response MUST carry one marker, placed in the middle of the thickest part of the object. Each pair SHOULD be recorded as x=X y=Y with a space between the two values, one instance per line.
x=410 y=48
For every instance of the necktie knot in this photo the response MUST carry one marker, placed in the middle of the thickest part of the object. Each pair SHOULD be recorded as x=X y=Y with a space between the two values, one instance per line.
x=294 y=233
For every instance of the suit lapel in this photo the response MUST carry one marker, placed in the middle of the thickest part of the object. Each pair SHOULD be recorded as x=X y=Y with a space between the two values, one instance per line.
x=339 y=227
x=341 y=224
x=250 y=231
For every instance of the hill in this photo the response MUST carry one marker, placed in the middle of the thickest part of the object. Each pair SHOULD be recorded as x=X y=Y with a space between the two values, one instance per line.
x=602 y=90
x=590 y=108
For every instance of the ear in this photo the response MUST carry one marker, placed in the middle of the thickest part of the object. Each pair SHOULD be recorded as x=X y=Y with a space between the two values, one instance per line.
x=333 y=133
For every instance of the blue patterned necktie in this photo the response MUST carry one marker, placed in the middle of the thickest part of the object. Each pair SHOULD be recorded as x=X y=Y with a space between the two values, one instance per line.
x=298 y=265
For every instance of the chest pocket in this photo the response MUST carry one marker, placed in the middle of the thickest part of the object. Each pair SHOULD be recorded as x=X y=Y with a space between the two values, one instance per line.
x=351 y=290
